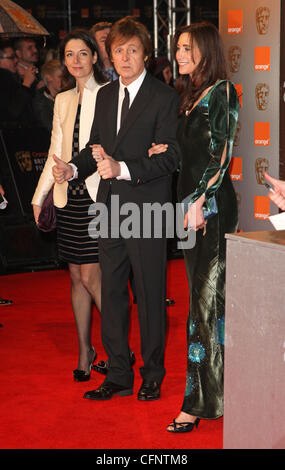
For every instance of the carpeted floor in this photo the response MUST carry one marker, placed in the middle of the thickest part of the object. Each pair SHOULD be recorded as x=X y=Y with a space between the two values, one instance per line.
x=41 y=407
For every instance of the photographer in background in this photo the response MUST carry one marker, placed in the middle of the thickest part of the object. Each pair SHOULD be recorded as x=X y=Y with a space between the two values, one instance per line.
x=28 y=56
x=43 y=100
x=15 y=97
x=3 y=302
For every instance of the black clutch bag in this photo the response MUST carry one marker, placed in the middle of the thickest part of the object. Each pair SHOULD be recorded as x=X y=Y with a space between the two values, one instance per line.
x=47 y=217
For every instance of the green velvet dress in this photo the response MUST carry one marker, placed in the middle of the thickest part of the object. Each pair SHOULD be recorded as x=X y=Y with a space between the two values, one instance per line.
x=202 y=136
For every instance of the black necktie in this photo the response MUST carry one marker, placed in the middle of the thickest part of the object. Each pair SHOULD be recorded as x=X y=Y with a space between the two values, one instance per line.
x=125 y=106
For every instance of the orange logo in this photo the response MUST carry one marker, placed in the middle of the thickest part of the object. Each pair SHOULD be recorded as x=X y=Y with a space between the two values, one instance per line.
x=238 y=88
x=261 y=207
x=262 y=133
x=262 y=59
x=235 y=21
x=236 y=169
x=84 y=12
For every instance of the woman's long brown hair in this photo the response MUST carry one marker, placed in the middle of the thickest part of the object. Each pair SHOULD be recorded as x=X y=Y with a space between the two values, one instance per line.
x=212 y=66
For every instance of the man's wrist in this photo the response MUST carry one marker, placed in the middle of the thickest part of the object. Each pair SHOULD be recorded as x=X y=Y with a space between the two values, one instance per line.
x=75 y=172
x=124 y=172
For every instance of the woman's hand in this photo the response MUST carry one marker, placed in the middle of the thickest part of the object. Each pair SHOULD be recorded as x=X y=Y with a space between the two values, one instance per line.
x=278 y=197
x=37 y=211
x=157 y=148
x=61 y=171
x=194 y=218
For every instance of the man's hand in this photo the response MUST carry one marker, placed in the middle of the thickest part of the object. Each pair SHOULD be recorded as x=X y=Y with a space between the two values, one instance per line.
x=96 y=152
x=107 y=167
x=61 y=171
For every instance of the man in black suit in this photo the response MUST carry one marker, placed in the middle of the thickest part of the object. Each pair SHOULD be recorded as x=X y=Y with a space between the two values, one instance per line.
x=3 y=301
x=120 y=145
x=15 y=98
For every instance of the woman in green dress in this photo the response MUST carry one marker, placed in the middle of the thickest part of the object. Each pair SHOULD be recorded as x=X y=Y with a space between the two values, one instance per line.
x=209 y=113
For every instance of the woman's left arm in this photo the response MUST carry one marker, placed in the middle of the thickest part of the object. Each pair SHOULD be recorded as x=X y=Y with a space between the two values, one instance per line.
x=223 y=115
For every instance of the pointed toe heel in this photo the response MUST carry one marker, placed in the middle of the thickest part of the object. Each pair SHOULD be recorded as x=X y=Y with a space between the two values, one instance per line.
x=82 y=375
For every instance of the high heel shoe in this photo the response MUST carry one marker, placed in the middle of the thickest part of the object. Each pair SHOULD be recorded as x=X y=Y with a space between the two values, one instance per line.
x=82 y=375
x=183 y=427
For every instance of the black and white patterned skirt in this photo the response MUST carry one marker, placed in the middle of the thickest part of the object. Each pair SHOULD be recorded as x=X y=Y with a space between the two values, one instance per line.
x=74 y=243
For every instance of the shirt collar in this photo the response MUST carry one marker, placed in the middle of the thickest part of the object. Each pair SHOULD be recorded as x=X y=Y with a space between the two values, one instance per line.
x=91 y=84
x=135 y=85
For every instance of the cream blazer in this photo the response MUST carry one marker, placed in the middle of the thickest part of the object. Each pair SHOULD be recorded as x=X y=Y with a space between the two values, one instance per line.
x=65 y=108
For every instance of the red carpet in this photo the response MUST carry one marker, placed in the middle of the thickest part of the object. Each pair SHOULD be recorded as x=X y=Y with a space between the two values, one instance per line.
x=42 y=407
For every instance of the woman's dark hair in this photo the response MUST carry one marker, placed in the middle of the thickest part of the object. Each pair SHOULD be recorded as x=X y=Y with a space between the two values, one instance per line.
x=212 y=66
x=67 y=79
x=126 y=28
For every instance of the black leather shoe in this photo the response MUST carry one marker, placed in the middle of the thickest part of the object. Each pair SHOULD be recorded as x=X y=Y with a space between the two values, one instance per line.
x=5 y=302
x=103 y=366
x=107 y=390
x=149 y=391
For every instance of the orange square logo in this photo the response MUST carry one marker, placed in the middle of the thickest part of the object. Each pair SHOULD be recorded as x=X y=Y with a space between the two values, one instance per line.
x=62 y=33
x=262 y=133
x=261 y=207
x=238 y=88
x=84 y=12
x=235 y=21
x=262 y=59
x=236 y=169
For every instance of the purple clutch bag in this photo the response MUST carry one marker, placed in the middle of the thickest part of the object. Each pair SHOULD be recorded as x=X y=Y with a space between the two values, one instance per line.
x=47 y=217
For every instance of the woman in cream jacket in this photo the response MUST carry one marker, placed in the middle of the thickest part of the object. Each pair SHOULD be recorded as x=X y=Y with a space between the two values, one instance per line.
x=72 y=121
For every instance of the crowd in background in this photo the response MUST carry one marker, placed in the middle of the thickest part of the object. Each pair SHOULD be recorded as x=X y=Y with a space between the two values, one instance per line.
x=31 y=77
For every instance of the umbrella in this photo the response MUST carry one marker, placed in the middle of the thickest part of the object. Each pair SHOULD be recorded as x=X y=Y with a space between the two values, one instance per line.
x=17 y=22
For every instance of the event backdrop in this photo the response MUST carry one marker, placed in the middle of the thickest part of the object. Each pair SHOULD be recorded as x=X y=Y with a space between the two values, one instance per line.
x=251 y=33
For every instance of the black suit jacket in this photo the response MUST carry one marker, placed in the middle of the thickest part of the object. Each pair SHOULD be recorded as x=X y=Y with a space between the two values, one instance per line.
x=151 y=118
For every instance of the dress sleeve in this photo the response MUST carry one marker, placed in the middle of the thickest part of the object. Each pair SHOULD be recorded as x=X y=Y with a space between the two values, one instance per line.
x=223 y=116
x=46 y=179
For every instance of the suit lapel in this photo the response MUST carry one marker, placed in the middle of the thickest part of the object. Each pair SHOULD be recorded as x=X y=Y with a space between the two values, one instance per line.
x=141 y=100
x=111 y=119
x=69 y=121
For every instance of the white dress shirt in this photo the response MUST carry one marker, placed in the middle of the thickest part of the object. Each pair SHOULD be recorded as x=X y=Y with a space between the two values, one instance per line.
x=133 y=89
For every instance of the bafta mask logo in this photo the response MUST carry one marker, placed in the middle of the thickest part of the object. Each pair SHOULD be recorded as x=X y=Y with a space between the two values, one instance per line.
x=97 y=11
x=262 y=96
x=261 y=165
x=237 y=134
x=262 y=20
x=234 y=58
x=24 y=160
x=41 y=11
